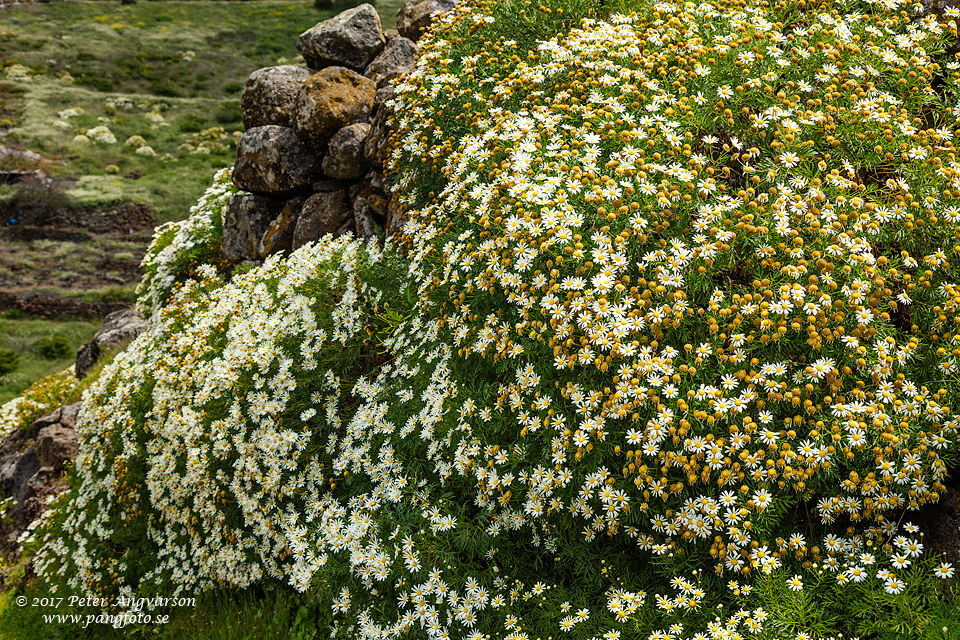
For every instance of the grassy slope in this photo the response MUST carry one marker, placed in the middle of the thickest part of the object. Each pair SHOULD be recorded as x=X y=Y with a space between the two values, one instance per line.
x=133 y=51
x=140 y=52
x=21 y=335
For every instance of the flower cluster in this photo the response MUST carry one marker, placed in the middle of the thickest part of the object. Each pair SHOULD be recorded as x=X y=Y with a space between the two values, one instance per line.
x=676 y=294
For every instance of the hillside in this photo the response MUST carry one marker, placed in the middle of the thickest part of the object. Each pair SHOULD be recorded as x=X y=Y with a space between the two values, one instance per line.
x=164 y=79
x=569 y=320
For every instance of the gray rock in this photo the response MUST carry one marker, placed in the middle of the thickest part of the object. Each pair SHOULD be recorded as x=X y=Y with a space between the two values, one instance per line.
x=376 y=145
x=272 y=160
x=31 y=465
x=269 y=94
x=350 y=39
x=330 y=100
x=377 y=181
x=321 y=214
x=56 y=444
x=16 y=471
x=348 y=227
x=245 y=220
x=370 y=202
x=364 y=223
x=344 y=159
x=396 y=217
x=71 y=413
x=398 y=59
x=329 y=184
x=415 y=16
x=278 y=237
x=118 y=328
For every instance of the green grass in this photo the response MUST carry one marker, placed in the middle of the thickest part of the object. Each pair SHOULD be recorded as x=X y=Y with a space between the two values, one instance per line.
x=275 y=613
x=20 y=335
x=140 y=54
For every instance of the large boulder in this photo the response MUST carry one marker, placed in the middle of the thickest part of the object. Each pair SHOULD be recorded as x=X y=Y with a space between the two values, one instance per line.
x=350 y=39
x=245 y=220
x=344 y=159
x=272 y=160
x=415 y=16
x=269 y=94
x=398 y=58
x=321 y=214
x=330 y=100
x=278 y=237
x=117 y=328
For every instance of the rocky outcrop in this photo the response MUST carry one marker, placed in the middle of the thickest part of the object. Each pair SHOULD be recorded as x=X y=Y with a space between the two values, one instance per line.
x=376 y=146
x=245 y=220
x=344 y=159
x=322 y=213
x=397 y=59
x=118 y=328
x=318 y=138
x=269 y=94
x=278 y=238
x=32 y=466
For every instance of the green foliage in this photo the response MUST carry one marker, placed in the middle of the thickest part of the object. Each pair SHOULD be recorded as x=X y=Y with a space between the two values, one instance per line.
x=180 y=248
x=228 y=112
x=193 y=123
x=19 y=333
x=9 y=361
x=54 y=347
x=652 y=357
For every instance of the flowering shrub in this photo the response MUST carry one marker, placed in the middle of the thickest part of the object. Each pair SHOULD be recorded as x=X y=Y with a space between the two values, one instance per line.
x=42 y=397
x=210 y=384
x=677 y=331
x=178 y=248
x=135 y=142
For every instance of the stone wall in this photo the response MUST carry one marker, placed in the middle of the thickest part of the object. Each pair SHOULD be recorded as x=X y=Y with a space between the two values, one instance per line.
x=315 y=144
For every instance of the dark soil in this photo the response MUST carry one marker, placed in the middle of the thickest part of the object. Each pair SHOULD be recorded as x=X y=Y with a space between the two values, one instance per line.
x=940 y=522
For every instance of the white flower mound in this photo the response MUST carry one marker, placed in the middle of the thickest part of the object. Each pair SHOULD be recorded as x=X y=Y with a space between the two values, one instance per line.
x=262 y=463
x=527 y=406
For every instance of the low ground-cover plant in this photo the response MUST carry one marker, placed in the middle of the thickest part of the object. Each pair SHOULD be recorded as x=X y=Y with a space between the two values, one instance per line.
x=54 y=347
x=666 y=350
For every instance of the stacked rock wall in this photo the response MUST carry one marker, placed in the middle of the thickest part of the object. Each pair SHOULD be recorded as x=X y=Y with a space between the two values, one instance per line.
x=316 y=138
